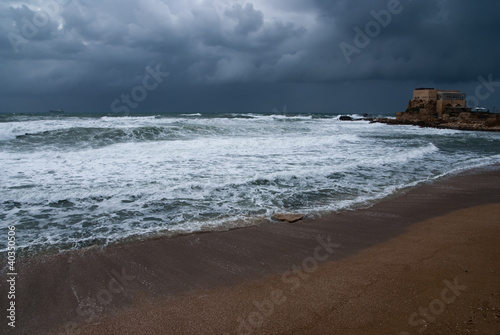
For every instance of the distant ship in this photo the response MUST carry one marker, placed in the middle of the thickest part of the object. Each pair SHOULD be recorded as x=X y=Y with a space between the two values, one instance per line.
x=60 y=111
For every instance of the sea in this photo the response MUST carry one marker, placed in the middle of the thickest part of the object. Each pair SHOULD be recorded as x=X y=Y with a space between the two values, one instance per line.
x=71 y=181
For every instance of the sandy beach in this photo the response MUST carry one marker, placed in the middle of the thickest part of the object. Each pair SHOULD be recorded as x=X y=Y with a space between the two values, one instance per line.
x=423 y=262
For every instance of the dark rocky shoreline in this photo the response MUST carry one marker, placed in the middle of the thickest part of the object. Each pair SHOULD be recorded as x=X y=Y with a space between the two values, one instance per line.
x=439 y=124
x=470 y=126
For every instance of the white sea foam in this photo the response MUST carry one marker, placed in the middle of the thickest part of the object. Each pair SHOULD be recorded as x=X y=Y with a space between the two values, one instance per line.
x=193 y=114
x=86 y=180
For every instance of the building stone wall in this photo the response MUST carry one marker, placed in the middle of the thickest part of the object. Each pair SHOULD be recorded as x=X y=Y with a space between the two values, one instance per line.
x=445 y=108
x=430 y=103
x=425 y=94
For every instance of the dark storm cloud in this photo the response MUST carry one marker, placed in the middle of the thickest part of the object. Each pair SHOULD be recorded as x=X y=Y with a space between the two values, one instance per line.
x=88 y=53
x=248 y=18
x=428 y=40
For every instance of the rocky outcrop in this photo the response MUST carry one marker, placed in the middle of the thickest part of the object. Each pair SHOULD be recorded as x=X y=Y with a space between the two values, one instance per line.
x=419 y=111
x=462 y=124
x=444 y=109
x=424 y=114
x=365 y=117
x=346 y=118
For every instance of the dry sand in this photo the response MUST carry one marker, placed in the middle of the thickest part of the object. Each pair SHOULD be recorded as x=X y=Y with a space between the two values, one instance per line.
x=424 y=262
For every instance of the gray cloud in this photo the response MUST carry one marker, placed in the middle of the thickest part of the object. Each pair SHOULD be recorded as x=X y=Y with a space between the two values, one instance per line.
x=249 y=20
x=235 y=54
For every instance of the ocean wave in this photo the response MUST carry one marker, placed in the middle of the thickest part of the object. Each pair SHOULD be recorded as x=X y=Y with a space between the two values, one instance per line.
x=75 y=181
x=80 y=137
x=193 y=114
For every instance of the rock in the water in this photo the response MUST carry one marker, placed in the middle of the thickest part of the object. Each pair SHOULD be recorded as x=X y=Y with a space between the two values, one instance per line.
x=288 y=217
x=345 y=118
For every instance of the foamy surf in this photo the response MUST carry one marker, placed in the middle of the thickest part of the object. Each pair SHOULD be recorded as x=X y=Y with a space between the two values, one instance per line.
x=79 y=180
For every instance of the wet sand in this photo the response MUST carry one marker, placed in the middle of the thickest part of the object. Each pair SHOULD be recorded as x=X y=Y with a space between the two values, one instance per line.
x=426 y=260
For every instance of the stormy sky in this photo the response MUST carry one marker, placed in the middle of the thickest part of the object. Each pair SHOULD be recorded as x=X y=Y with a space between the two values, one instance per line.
x=190 y=56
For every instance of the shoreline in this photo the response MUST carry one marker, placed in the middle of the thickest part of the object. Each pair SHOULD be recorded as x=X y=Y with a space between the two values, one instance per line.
x=440 y=281
x=477 y=126
x=79 y=288
x=250 y=221
x=437 y=124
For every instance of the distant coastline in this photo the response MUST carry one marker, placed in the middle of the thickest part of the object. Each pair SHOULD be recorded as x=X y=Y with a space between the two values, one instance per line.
x=477 y=125
x=457 y=125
